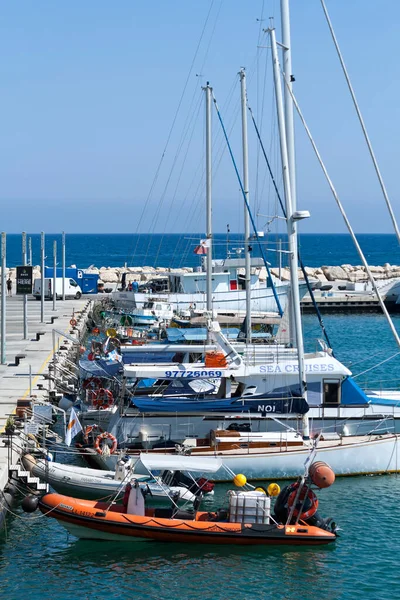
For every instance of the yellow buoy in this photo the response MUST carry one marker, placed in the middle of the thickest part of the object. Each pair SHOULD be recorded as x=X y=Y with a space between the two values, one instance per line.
x=240 y=480
x=111 y=332
x=260 y=489
x=273 y=489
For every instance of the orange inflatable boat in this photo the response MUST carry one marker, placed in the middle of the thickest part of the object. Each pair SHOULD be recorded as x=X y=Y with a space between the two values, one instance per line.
x=248 y=519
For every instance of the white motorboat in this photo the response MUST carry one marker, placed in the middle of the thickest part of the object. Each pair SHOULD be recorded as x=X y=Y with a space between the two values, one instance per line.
x=95 y=484
x=187 y=291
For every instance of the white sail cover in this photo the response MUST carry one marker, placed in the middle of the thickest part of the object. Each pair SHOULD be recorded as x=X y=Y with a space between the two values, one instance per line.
x=177 y=462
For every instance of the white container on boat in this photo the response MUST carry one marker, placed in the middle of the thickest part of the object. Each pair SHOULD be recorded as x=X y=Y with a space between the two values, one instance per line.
x=249 y=507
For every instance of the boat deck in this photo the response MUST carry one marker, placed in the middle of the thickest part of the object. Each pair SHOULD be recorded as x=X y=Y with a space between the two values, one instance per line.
x=323 y=444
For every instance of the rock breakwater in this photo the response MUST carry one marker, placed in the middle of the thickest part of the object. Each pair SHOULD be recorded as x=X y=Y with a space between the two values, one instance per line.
x=352 y=273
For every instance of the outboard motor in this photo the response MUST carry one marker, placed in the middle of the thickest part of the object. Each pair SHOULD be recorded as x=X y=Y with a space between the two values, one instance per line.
x=122 y=468
x=198 y=486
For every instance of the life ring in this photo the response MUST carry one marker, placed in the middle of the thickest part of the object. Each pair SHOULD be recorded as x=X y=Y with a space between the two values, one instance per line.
x=104 y=399
x=88 y=431
x=73 y=322
x=105 y=436
x=309 y=495
x=92 y=383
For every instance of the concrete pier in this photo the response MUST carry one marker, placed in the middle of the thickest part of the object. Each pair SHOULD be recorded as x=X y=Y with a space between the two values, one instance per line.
x=36 y=352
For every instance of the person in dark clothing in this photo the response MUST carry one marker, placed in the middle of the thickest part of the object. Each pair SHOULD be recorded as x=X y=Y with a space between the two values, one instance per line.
x=9 y=286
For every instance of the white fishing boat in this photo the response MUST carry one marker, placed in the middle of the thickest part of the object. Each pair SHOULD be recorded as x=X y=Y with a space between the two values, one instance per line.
x=188 y=291
x=153 y=311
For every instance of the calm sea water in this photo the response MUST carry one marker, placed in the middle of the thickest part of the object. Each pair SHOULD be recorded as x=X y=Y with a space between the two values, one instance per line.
x=113 y=250
x=39 y=559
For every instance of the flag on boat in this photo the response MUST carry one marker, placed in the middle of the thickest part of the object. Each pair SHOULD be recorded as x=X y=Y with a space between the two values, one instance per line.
x=203 y=246
x=74 y=427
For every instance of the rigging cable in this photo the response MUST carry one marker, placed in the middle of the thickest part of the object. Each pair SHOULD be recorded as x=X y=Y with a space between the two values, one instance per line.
x=172 y=125
x=321 y=322
x=346 y=220
x=184 y=134
x=363 y=127
x=377 y=365
x=248 y=209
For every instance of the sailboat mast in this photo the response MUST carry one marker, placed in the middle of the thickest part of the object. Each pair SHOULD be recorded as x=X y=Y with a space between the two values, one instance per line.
x=208 y=92
x=247 y=262
x=291 y=219
x=288 y=102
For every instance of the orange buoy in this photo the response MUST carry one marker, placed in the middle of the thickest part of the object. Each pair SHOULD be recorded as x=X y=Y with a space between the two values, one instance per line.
x=82 y=349
x=321 y=474
x=96 y=331
x=215 y=359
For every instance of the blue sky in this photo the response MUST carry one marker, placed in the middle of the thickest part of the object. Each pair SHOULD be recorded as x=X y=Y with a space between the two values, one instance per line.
x=89 y=91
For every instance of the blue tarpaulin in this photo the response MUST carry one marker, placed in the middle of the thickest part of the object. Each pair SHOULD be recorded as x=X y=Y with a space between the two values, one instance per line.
x=261 y=404
x=352 y=393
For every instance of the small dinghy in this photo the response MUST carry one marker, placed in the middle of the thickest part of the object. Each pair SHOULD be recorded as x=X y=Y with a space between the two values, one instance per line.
x=248 y=519
x=96 y=484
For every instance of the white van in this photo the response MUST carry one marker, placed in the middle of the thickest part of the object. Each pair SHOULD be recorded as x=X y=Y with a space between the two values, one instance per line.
x=72 y=289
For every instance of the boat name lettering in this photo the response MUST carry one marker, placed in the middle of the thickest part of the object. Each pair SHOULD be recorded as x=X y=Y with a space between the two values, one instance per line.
x=66 y=506
x=266 y=408
x=316 y=368
x=193 y=374
x=84 y=513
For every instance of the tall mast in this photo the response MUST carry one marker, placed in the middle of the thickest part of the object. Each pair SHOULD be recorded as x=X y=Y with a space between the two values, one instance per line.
x=208 y=92
x=247 y=262
x=289 y=119
x=291 y=218
x=288 y=102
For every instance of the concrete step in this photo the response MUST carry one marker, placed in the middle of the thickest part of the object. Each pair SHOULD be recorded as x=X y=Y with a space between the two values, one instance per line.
x=34 y=481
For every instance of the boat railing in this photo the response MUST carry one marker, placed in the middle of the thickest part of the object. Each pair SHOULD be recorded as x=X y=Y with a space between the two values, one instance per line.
x=371 y=427
x=381 y=386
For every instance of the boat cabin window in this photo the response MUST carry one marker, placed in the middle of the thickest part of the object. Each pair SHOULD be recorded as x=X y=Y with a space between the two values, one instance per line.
x=148 y=305
x=242 y=282
x=158 y=307
x=331 y=389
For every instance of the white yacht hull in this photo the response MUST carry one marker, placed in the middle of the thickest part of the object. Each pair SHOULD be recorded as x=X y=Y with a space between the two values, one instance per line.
x=349 y=456
x=262 y=300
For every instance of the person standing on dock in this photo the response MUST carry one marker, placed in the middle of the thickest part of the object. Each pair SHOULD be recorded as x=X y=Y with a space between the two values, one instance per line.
x=9 y=286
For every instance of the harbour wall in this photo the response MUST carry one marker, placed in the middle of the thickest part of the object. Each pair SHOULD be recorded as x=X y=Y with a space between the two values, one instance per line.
x=324 y=274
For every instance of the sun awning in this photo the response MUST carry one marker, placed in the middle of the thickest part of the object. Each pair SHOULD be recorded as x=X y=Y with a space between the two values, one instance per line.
x=177 y=462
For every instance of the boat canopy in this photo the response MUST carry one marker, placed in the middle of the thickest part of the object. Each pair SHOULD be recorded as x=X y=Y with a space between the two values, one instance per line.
x=196 y=334
x=199 y=334
x=99 y=368
x=177 y=462
x=263 y=404
x=352 y=393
